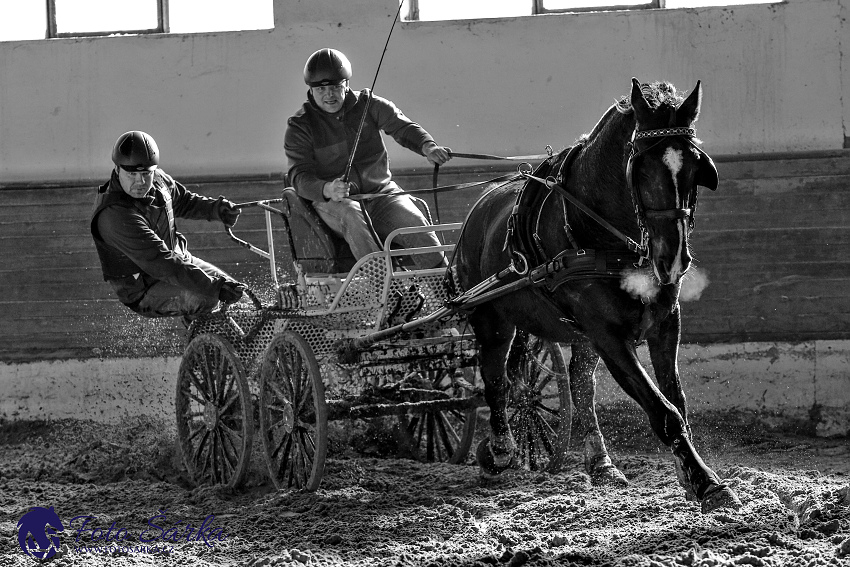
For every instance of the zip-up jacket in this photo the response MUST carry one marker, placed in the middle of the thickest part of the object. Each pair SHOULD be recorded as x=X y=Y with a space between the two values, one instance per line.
x=318 y=144
x=137 y=239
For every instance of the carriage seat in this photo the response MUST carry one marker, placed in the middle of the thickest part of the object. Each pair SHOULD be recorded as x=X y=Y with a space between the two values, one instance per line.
x=315 y=247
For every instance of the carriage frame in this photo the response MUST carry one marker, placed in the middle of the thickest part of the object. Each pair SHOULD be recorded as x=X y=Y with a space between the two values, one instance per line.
x=278 y=369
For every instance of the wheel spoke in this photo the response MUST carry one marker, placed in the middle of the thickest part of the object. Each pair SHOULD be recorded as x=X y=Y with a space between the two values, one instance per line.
x=190 y=394
x=225 y=454
x=193 y=434
x=284 y=444
x=448 y=435
x=546 y=434
x=554 y=412
x=197 y=452
x=228 y=403
x=429 y=421
x=193 y=378
x=277 y=390
x=209 y=370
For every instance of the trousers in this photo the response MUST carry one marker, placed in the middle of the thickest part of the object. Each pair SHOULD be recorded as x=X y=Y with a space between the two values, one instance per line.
x=392 y=210
x=163 y=299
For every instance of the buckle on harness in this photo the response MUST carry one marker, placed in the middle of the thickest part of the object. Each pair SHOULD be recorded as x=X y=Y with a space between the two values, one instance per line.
x=519 y=256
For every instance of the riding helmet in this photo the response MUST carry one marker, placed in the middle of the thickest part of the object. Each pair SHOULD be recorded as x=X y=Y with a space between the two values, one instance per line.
x=327 y=67
x=135 y=151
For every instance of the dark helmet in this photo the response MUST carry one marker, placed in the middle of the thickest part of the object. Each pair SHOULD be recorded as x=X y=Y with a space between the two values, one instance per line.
x=327 y=67
x=135 y=151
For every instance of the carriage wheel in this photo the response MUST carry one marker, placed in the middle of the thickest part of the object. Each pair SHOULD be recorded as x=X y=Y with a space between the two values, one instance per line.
x=539 y=409
x=443 y=436
x=215 y=424
x=293 y=413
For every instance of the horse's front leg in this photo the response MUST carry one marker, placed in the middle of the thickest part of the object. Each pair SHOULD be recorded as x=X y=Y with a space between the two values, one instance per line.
x=663 y=343
x=621 y=358
x=495 y=335
x=663 y=352
x=597 y=462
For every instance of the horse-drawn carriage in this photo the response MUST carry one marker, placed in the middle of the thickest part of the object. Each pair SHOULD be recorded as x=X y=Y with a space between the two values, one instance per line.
x=541 y=259
x=277 y=369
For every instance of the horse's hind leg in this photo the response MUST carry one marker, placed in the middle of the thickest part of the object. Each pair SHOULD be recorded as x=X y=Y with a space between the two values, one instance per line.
x=597 y=462
x=666 y=422
x=495 y=336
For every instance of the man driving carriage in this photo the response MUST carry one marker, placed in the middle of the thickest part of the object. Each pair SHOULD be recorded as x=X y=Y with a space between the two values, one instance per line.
x=364 y=204
x=142 y=255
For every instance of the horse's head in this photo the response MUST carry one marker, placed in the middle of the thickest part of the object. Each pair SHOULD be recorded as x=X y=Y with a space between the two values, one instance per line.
x=664 y=167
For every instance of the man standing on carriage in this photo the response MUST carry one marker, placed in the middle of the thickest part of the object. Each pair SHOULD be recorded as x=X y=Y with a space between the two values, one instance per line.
x=318 y=141
x=142 y=255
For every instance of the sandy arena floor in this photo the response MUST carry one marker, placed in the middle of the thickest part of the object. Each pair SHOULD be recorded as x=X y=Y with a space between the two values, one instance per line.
x=378 y=511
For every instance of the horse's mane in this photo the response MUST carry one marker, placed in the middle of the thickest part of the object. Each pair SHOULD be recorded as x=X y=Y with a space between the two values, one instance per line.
x=656 y=94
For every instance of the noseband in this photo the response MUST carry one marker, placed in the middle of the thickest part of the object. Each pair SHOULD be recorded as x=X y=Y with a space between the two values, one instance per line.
x=641 y=212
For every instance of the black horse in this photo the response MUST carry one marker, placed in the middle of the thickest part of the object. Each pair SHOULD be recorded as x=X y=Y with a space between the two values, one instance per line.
x=637 y=173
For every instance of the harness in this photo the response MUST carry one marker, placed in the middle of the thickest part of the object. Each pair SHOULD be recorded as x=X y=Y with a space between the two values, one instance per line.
x=523 y=242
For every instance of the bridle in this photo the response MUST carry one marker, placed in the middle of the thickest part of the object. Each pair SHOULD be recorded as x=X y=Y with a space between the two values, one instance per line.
x=706 y=176
x=642 y=213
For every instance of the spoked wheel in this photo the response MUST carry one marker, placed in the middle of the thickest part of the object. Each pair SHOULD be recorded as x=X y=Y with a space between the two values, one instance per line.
x=215 y=425
x=293 y=413
x=441 y=435
x=539 y=409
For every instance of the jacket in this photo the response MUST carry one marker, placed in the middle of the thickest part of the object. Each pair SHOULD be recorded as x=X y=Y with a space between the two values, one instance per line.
x=318 y=144
x=137 y=240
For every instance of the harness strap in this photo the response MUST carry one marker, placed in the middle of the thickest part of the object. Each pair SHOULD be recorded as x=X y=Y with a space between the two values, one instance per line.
x=632 y=245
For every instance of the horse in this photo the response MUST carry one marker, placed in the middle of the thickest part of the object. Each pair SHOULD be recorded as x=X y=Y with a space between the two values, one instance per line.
x=625 y=194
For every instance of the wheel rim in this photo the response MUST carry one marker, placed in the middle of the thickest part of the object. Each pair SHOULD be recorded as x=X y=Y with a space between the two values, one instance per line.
x=441 y=435
x=293 y=413
x=539 y=409
x=214 y=421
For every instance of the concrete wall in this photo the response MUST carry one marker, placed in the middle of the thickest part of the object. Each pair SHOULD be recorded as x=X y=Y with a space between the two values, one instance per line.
x=804 y=383
x=217 y=103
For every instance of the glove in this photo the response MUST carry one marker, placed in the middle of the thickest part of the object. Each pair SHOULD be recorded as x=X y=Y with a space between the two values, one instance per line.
x=231 y=292
x=227 y=212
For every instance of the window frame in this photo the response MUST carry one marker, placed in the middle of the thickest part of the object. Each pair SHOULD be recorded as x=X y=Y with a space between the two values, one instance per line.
x=537 y=8
x=161 y=18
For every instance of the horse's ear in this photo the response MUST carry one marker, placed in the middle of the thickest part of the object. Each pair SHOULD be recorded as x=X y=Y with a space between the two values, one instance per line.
x=688 y=111
x=706 y=172
x=639 y=103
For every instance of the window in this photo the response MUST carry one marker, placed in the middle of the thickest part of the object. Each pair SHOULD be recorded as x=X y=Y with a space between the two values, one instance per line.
x=429 y=10
x=34 y=19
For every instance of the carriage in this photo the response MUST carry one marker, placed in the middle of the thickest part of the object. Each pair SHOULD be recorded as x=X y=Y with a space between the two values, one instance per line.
x=547 y=264
x=279 y=369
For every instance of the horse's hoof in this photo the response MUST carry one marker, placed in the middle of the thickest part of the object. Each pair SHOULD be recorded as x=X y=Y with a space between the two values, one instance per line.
x=603 y=472
x=490 y=466
x=719 y=496
x=608 y=475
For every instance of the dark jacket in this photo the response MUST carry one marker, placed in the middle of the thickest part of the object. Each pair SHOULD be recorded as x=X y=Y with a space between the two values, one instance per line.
x=137 y=239
x=318 y=144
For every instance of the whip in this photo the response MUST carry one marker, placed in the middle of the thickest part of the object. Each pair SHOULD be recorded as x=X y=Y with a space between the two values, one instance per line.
x=369 y=98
